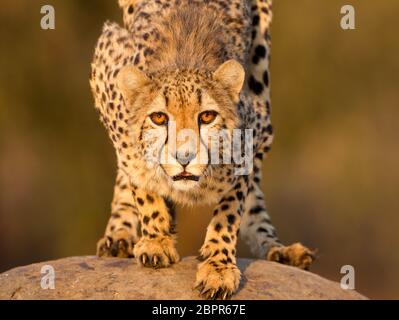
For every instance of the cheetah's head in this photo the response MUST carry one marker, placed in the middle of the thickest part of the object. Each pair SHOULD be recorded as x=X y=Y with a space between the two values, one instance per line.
x=177 y=117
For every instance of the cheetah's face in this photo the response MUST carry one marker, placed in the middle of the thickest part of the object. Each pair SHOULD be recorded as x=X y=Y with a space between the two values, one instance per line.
x=179 y=116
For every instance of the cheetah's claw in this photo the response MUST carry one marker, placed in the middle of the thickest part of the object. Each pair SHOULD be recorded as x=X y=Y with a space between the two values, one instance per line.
x=217 y=282
x=156 y=253
x=119 y=244
x=222 y=293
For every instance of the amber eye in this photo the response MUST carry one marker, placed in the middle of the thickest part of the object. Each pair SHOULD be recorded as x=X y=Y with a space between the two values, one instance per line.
x=159 y=118
x=207 y=117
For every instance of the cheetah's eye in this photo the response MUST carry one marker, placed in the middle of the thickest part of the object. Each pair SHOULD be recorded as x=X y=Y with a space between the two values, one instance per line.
x=159 y=118
x=207 y=117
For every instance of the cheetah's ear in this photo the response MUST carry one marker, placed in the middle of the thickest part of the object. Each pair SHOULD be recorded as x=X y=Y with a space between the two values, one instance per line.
x=130 y=80
x=231 y=75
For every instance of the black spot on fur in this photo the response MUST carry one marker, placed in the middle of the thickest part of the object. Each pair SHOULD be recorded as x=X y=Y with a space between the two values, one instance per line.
x=225 y=207
x=265 y=10
x=127 y=224
x=255 y=59
x=218 y=227
x=199 y=96
x=146 y=219
x=150 y=198
x=231 y=218
x=226 y=239
x=213 y=263
x=140 y=201
x=256 y=210
x=137 y=59
x=269 y=129
x=266 y=78
x=255 y=85
x=260 y=51
x=260 y=229
x=255 y=20
x=155 y=214
x=148 y=51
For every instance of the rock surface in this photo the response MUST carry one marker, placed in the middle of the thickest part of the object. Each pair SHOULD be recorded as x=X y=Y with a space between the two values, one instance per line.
x=90 y=277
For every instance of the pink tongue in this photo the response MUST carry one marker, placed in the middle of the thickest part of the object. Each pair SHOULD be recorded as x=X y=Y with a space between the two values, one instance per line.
x=185 y=174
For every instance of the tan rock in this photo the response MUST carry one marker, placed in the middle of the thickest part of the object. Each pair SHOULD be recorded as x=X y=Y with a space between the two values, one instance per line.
x=90 y=277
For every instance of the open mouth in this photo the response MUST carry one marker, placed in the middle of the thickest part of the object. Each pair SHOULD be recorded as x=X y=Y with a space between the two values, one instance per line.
x=185 y=176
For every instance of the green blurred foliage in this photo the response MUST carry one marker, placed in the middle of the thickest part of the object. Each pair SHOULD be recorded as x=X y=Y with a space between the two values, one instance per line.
x=331 y=181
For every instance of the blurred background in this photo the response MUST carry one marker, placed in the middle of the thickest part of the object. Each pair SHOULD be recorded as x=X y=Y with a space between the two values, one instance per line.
x=332 y=180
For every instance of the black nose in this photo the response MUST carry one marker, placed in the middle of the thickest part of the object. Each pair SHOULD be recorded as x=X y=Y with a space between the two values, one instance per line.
x=184 y=158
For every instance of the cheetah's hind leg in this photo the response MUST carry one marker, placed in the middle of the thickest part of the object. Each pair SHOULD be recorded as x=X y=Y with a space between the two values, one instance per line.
x=259 y=233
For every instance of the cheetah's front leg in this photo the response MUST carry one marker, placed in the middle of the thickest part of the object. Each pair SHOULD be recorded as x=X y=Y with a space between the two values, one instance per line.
x=156 y=247
x=121 y=233
x=218 y=276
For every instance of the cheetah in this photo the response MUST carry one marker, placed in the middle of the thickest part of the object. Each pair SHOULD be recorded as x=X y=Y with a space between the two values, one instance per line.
x=198 y=65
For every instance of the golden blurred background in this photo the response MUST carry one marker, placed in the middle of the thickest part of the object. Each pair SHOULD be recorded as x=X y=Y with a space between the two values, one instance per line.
x=332 y=180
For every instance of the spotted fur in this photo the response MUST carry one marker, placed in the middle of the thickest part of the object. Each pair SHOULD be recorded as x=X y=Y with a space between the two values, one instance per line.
x=182 y=56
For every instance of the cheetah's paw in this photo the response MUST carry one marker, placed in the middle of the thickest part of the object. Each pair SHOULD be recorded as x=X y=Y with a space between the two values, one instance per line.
x=156 y=253
x=216 y=281
x=118 y=244
x=295 y=255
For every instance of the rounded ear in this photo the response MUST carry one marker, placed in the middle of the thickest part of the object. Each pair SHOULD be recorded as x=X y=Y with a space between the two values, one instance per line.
x=231 y=75
x=123 y=3
x=130 y=80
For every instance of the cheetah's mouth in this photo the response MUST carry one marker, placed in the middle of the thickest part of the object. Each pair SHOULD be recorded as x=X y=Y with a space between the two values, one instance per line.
x=184 y=175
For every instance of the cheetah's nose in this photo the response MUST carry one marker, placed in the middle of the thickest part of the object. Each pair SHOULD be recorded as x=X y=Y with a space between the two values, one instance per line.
x=184 y=158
